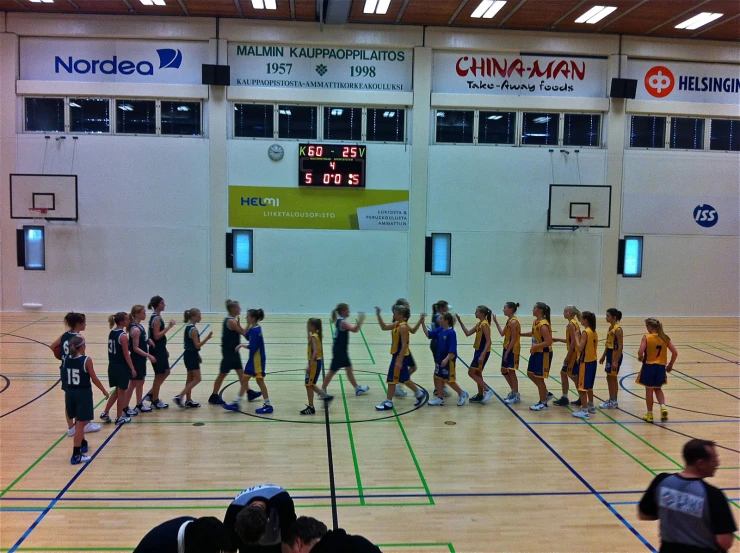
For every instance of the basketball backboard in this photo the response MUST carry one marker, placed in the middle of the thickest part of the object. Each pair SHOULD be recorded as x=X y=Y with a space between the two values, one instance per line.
x=57 y=194
x=573 y=206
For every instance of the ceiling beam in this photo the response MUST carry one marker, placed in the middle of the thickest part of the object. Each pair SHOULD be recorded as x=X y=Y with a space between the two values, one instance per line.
x=621 y=15
x=184 y=7
x=129 y=6
x=238 y=7
x=75 y=6
x=722 y=22
x=512 y=12
x=401 y=11
x=566 y=14
x=679 y=16
x=292 y=9
x=457 y=11
x=22 y=5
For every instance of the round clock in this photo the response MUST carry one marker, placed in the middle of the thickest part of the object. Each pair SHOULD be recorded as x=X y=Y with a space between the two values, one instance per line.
x=276 y=152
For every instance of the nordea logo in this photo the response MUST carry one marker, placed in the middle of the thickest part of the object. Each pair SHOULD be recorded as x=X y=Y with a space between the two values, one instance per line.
x=169 y=58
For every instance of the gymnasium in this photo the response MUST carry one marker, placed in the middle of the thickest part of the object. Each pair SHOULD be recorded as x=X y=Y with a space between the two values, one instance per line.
x=295 y=155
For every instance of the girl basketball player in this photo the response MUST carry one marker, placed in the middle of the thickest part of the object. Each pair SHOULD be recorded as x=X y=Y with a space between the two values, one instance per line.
x=584 y=371
x=398 y=372
x=78 y=398
x=340 y=353
x=510 y=358
x=438 y=309
x=231 y=334
x=444 y=371
x=540 y=354
x=482 y=345
x=120 y=367
x=572 y=338
x=315 y=363
x=158 y=332
x=191 y=357
x=613 y=356
x=400 y=392
x=139 y=347
x=653 y=353
x=256 y=364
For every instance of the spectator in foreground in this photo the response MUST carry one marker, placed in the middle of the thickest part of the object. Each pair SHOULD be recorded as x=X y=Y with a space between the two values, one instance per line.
x=308 y=535
x=694 y=516
x=257 y=518
x=185 y=535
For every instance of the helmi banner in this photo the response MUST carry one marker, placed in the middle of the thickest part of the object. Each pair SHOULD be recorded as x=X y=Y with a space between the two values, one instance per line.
x=302 y=208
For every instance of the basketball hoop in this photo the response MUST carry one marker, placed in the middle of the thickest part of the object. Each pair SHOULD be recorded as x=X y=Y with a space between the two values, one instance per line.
x=38 y=214
x=584 y=222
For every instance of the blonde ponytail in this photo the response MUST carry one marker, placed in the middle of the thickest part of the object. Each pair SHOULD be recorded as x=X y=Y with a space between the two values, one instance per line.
x=658 y=326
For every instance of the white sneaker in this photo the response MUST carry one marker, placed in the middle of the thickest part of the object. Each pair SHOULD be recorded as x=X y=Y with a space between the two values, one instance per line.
x=92 y=427
x=550 y=395
x=362 y=390
x=488 y=395
x=70 y=432
x=606 y=404
x=144 y=408
x=515 y=398
x=580 y=414
x=105 y=417
x=385 y=406
x=463 y=398
x=123 y=419
x=436 y=401
x=591 y=408
x=131 y=412
x=615 y=404
x=539 y=406
x=400 y=392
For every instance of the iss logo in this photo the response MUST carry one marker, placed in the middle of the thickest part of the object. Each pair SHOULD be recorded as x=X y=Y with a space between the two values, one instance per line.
x=659 y=81
x=705 y=215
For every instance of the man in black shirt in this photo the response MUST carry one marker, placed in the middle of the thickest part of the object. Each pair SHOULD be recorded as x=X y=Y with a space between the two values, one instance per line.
x=256 y=518
x=185 y=535
x=308 y=535
x=694 y=516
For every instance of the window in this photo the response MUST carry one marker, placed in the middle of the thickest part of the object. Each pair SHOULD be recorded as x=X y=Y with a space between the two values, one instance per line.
x=687 y=133
x=540 y=128
x=582 y=129
x=33 y=248
x=497 y=127
x=342 y=123
x=243 y=255
x=441 y=253
x=724 y=134
x=385 y=125
x=254 y=120
x=455 y=126
x=45 y=114
x=297 y=122
x=91 y=115
x=180 y=118
x=647 y=132
x=631 y=258
x=136 y=116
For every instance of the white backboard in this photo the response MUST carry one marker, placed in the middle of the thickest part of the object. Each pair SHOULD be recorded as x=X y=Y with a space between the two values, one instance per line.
x=56 y=193
x=569 y=202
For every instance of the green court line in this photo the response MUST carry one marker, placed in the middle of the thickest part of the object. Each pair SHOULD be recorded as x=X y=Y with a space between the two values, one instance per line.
x=352 y=442
x=674 y=375
x=21 y=328
x=216 y=490
x=408 y=444
x=729 y=346
x=370 y=353
x=718 y=348
x=448 y=545
x=210 y=507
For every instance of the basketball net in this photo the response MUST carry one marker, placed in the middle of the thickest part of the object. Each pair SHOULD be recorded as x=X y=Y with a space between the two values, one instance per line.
x=38 y=214
x=585 y=223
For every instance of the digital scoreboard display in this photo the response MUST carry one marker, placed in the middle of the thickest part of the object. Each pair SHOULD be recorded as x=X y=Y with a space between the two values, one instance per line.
x=331 y=165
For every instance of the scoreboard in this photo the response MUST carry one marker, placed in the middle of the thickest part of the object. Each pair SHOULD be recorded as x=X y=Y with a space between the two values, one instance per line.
x=331 y=165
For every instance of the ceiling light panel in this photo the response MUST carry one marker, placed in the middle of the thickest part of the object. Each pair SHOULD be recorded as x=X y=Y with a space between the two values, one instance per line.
x=487 y=9
x=596 y=14
x=699 y=21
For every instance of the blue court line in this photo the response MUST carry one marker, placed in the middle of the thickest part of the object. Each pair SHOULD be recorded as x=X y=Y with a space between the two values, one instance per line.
x=636 y=502
x=717 y=356
x=734 y=421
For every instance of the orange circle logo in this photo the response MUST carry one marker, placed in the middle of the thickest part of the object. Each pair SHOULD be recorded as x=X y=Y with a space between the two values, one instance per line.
x=659 y=81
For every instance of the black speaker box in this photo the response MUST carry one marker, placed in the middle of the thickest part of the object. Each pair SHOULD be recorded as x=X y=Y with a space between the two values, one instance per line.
x=217 y=75
x=623 y=88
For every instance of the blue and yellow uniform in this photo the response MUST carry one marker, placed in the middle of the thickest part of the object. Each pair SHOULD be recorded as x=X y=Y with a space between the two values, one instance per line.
x=480 y=356
x=585 y=370
x=78 y=398
x=539 y=361
x=510 y=362
x=256 y=363
x=653 y=373
x=314 y=367
x=433 y=341
x=612 y=344
x=160 y=346
x=571 y=361
x=119 y=373
x=446 y=344
x=191 y=357
x=139 y=361
x=402 y=374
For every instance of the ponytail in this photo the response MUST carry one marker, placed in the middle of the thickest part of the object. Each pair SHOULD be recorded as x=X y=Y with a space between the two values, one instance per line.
x=436 y=307
x=590 y=318
x=511 y=305
x=190 y=314
x=614 y=312
x=118 y=318
x=573 y=311
x=402 y=301
x=258 y=314
x=487 y=312
x=75 y=344
x=337 y=309
x=134 y=310
x=316 y=323
x=449 y=318
x=154 y=302
x=545 y=310
x=403 y=310
x=657 y=325
x=73 y=319
x=231 y=304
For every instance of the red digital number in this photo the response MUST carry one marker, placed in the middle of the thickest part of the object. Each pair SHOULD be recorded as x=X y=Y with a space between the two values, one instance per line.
x=337 y=178
x=354 y=179
x=327 y=178
x=333 y=165
x=308 y=178
x=315 y=151
x=349 y=151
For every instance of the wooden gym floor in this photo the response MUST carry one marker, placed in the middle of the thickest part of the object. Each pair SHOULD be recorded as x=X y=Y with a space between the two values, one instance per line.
x=471 y=479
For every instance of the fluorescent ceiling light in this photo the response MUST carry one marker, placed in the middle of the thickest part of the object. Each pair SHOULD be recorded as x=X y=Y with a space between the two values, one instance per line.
x=42 y=1
x=181 y=108
x=487 y=9
x=126 y=107
x=376 y=6
x=284 y=112
x=370 y=6
x=337 y=111
x=699 y=21
x=440 y=114
x=258 y=4
x=389 y=114
x=153 y=2
x=596 y=14
x=495 y=117
x=541 y=119
x=74 y=105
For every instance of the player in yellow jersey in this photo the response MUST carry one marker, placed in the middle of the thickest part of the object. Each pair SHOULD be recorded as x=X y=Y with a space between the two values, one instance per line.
x=653 y=353
x=400 y=392
x=482 y=345
x=572 y=337
x=613 y=356
x=315 y=364
x=540 y=354
x=584 y=372
x=510 y=357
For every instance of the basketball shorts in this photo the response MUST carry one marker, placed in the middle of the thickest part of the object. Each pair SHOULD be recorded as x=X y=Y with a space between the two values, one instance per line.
x=191 y=360
x=509 y=362
x=446 y=373
x=139 y=365
x=570 y=367
x=119 y=376
x=539 y=364
x=314 y=372
x=231 y=361
x=400 y=375
x=411 y=362
x=587 y=376
x=479 y=360
x=340 y=361
x=652 y=376
x=612 y=368
x=79 y=404
x=255 y=367
x=163 y=359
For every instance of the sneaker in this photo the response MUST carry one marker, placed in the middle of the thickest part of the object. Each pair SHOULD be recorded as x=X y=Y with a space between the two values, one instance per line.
x=580 y=414
x=77 y=459
x=516 y=398
x=309 y=410
x=131 y=412
x=663 y=414
x=420 y=396
x=85 y=447
x=144 y=408
x=648 y=417
x=179 y=402
x=70 y=432
x=360 y=390
x=509 y=395
x=591 y=408
x=325 y=396
x=123 y=419
x=148 y=397
x=252 y=395
x=105 y=417
x=477 y=398
x=463 y=398
x=215 y=399
x=192 y=404
x=159 y=404
x=264 y=410
x=562 y=402
x=92 y=427
x=233 y=406
x=400 y=392
x=606 y=404
x=615 y=404
x=385 y=406
x=487 y=396
x=577 y=403
x=539 y=406
x=549 y=396
x=436 y=401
